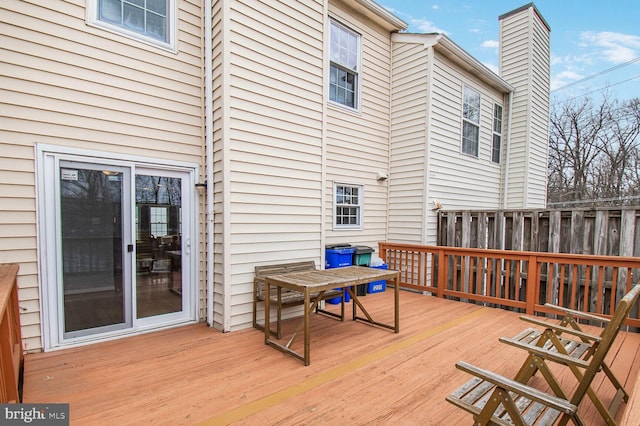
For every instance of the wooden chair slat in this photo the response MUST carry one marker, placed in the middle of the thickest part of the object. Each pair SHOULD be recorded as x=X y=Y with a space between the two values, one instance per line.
x=526 y=404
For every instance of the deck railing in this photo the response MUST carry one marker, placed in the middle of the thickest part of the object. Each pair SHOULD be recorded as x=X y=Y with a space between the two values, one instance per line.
x=11 y=354
x=522 y=281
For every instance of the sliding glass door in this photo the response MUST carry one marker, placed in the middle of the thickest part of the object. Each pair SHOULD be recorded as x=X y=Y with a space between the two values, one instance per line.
x=118 y=242
x=93 y=221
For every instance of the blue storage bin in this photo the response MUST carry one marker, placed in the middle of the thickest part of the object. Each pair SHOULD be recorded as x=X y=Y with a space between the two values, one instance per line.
x=338 y=257
x=336 y=300
x=378 y=286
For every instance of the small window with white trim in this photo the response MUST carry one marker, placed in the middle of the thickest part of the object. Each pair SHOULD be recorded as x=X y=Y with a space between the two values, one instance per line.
x=496 y=149
x=344 y=66
x=147 y=20
x=347 y=212
x=470 y=121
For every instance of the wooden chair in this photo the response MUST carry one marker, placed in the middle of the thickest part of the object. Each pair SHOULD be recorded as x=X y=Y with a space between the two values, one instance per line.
x=284 y=297
x=568 y=338
x=495 y=399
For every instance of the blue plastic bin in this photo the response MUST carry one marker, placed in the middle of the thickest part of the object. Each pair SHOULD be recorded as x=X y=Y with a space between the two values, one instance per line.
x=339 y=256
x=378 y=286
x=336 y=300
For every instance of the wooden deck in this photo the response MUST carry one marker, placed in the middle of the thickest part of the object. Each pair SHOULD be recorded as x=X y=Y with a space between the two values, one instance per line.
x=358 y=374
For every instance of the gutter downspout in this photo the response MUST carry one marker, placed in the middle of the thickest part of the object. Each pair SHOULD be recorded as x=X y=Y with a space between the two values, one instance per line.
x=428 y=213
x=208 y=141
x=508 y=154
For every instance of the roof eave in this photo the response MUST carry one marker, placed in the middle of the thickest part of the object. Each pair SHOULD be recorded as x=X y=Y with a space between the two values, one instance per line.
x=395 y=23
x=445 y=44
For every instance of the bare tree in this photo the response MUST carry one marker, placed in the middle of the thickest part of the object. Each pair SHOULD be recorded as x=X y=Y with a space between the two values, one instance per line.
x=593 y=152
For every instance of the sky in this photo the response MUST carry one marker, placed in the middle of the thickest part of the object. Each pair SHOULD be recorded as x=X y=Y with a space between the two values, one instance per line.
x=595 y=45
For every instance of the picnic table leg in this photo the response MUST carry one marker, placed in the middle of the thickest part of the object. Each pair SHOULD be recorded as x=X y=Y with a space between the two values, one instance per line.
x=354 y=295
x=267 y=307
x=307 y=328
x=397 y=302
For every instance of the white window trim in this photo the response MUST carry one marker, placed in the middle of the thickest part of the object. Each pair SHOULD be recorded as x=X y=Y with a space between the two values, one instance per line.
x=358 y=102
x=93 y=21
x=360 y=224
x=463 y=119
x=494 y=132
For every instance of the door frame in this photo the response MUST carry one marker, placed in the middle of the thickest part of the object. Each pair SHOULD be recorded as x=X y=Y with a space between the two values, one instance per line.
x=48 y=158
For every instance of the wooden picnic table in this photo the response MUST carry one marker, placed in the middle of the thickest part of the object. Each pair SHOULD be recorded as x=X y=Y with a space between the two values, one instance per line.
x=319 y=281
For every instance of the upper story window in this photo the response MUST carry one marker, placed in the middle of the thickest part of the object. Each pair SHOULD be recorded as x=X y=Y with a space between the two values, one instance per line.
x=347 y=206
x=344 y=67
x=497 y=134
x=148 y=20
x=470 y=121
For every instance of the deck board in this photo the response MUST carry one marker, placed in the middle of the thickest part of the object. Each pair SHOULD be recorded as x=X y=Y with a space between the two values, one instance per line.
x=358 y=374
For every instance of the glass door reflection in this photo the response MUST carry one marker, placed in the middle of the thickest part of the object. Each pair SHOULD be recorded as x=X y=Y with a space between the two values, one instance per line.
x=158 y=245
x=91 y=224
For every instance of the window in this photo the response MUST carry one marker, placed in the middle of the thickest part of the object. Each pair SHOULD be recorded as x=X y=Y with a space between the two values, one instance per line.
x=147 y=19
x=348 y=206
x=497 y=133
x=344 y=68
x=470 y=121
x=159 y=222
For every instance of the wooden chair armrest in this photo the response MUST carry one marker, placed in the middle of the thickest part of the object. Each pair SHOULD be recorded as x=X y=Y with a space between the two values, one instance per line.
x=545 y=353
x=556 y=328
x=534 y=394
x=579 y=314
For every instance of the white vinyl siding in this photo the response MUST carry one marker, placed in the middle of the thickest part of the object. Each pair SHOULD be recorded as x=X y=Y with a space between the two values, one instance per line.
x=426 y=163
x=66 y=83
x=270 y=148
x=460 y=181
x=525 y=64
x=408 y=172
x=357 y=143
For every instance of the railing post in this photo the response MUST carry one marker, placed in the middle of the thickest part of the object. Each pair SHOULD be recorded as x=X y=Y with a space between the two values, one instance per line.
x=11 y=354
x=442 y=272
x=533 y=283
x=382 y=251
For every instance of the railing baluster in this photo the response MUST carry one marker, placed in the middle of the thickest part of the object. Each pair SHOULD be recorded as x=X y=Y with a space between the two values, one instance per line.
x=580 y=282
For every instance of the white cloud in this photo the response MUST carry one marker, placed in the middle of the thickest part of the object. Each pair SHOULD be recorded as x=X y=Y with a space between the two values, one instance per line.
x=490 y=44
x=435 y=7
x=556 y=60
x=613 y=47
x=427 y=26
x=563 y=78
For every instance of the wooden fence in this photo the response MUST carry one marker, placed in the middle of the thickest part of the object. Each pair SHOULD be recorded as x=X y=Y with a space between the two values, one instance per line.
x=517 y=280
x=11 y=353
x=610 y=232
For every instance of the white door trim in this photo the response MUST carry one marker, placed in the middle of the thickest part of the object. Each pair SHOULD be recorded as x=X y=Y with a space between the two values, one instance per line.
x=47 y=163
